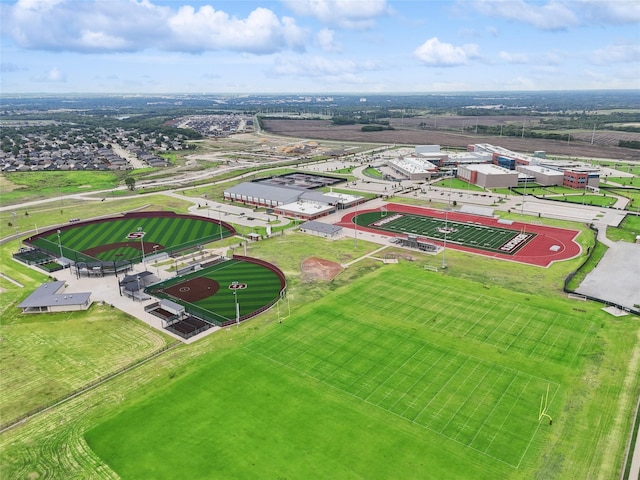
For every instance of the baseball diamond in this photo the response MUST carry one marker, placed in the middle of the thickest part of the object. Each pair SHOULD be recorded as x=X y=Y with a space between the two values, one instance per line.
x=130 y=237
x=212 y=293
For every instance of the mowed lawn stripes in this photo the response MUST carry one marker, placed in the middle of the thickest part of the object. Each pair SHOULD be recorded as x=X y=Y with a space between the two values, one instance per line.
x=463 y=398
x=167 y=232
x=262 y=287
x=392 y=350
x=512 y=326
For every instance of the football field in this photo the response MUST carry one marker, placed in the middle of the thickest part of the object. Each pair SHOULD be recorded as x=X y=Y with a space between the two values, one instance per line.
x=468 y=234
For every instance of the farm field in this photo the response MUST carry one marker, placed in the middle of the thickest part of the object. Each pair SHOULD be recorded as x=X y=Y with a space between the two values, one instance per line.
x=448 y=383
x=408 y=133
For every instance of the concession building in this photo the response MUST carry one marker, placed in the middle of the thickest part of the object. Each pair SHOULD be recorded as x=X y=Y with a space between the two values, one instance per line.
x=51 y=297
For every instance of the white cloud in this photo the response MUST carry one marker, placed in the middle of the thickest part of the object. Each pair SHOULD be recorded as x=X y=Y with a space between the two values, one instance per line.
x=436 y=53
x=124 y=26
x=617 y=54
x=207 y=29
x=610 y=12
x=55 y=75
x=326 y=41
x=357 y=14
x=513 y=57
x=554 y=15
x=561 y=14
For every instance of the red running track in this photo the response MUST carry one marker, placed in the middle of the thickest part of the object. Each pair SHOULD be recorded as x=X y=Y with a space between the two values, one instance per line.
x=535 y=252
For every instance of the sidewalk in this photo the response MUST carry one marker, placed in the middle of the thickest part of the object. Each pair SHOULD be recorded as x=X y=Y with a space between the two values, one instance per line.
x=107 y=290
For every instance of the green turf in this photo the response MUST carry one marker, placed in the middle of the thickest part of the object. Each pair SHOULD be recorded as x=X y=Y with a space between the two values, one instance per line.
x=263 y=287
x=458 y=184
x=599 y=200
x=461 y=233
x=454 y=367
x=170 y=233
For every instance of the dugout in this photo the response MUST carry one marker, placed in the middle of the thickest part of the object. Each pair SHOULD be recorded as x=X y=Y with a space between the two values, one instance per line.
x=100 y=269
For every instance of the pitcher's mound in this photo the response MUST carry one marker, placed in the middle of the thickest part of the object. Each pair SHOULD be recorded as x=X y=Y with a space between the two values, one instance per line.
x=314 y=268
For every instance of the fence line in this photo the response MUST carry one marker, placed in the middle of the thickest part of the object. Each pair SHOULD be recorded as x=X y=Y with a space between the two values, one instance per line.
x=90 y=386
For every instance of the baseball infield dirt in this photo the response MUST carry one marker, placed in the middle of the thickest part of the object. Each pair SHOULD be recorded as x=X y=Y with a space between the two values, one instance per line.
x=194 y=290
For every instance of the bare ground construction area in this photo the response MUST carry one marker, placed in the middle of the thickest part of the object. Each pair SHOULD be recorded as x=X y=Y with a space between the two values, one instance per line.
x=409 y=134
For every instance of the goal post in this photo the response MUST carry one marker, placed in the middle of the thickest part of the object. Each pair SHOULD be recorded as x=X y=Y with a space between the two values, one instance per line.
x=544 y=404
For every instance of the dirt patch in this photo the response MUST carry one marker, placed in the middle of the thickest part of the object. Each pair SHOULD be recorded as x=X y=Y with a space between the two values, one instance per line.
x=406 y=132
x=148 y=247
x=194 y=290
x=314 y=268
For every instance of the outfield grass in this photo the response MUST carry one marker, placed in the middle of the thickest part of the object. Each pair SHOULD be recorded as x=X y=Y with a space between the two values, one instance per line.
x=263 y=287
x=167 y=232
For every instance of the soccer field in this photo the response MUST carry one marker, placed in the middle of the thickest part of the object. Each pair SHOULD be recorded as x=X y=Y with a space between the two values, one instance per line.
x=464 y=369
x=469 y=234
x=485 y=406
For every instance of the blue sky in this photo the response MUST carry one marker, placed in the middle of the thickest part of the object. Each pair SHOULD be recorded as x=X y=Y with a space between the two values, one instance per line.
x=318 y=46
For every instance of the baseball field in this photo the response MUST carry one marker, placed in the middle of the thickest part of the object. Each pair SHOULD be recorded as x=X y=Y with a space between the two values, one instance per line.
x=232 y=290
x=130 y=237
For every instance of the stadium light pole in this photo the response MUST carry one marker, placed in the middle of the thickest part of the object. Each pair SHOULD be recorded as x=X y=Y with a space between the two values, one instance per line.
x=144 y=262
x=220 y=220
x=355 y=231
x=446 y=229
x=235 y=298
x=60 y=245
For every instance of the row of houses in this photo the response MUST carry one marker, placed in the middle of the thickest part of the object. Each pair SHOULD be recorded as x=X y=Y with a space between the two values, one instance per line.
x=81 y=158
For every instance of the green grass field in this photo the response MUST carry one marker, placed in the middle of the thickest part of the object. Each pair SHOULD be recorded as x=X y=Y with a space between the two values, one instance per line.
x=70 y=353
x=599 y=200
x=458 y=184
x=263 y=286
x=167 y=232
x=260 y=418
x=471 y=235
x=462 y=368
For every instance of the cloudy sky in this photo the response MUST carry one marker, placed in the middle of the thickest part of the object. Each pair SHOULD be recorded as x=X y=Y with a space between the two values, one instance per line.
x=317 y=46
